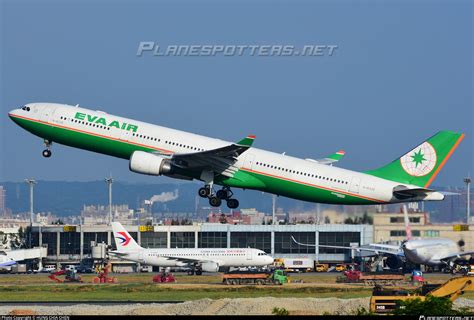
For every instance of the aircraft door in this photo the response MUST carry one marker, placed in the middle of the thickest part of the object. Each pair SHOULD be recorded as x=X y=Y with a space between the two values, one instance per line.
x=125 y=135
x=47 y=113
x=355 y=185
x=249 y=161
x=248 y=254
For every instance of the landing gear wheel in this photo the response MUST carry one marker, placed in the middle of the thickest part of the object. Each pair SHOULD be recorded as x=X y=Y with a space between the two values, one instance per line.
x=232 y=203
x=46 y=153
x=198 y=272
x=215 y=201
x=221 y=194
x=190 y=272
x=204 y=192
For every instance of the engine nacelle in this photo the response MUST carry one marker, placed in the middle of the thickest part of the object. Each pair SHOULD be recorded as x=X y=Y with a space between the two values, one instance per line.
x=148 y=163
x=393 y=262
x=210 y=266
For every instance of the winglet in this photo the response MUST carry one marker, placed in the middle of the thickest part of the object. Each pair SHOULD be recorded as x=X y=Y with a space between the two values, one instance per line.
x=247 y=141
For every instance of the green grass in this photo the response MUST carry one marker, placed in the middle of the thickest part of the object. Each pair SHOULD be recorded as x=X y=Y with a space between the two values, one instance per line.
x=151 y=292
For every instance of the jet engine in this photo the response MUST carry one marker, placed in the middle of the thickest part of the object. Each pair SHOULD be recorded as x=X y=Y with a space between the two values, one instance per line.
x=210 y=266
x=149 y=163
x=393 y=262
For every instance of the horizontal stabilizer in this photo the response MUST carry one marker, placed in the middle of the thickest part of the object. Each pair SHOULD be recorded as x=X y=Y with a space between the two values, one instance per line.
x=330 y=159
x=403 y=193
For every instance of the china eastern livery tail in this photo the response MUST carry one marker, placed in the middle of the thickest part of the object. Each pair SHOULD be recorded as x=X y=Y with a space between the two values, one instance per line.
x=155 y=150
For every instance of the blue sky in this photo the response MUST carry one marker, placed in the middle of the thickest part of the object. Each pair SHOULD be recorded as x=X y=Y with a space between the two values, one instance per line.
x=402 y=71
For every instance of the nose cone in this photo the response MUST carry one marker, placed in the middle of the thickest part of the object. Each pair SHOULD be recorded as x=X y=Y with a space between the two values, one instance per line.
x=13 y=114
x=268 y=260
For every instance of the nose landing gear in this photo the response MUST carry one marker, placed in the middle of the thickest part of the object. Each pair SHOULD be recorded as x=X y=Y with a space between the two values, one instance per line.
x=47 y=152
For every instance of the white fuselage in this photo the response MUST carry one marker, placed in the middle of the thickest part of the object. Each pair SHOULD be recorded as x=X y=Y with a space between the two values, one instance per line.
x=337 y=183
x=225 y=257
x=429 y=251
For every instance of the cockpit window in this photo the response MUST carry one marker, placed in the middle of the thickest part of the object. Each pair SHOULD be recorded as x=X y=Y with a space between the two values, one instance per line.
x=25 y=108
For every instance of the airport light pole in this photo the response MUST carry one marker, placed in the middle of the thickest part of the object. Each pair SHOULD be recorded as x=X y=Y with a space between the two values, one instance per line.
x=467 y=181
x=274 y=199
x=109 y=182
x=31 y=183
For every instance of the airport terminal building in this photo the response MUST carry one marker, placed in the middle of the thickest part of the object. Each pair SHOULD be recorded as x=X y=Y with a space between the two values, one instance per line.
x=72 y=244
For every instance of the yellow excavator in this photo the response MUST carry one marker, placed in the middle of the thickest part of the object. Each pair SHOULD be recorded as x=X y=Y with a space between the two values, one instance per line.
x=385 y=301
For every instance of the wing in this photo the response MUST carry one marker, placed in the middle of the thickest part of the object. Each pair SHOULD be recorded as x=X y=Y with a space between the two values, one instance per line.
x=358 y=249
x=220 y=160
x=456 y=255
x=330 y=159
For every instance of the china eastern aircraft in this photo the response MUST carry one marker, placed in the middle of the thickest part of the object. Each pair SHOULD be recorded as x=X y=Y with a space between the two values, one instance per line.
x=198 y=259
x=427 y=251
x=156 y=150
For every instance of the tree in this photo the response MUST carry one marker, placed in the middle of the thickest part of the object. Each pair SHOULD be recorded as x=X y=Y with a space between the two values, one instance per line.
x=327 y=220
x=59 y=221
x=431 y=306
x=223 y=219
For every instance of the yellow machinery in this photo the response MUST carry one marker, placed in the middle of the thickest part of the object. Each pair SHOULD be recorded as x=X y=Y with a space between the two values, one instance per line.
x=385 y=301
x=322 y=267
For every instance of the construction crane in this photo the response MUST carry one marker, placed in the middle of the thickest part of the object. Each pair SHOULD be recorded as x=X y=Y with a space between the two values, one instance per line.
x=385 y=301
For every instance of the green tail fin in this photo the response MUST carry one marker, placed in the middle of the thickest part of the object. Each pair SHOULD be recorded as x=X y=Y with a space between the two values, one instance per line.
x=422 y=164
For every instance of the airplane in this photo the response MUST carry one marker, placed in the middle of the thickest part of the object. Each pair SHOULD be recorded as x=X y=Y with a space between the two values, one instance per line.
x=156 y=150
x=425 y=251
x=5 y=260
x=198 y=259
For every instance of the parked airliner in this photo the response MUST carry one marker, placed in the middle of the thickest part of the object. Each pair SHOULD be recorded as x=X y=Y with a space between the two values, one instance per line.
x=156 y=150
x=197 y=259
x=426 y=251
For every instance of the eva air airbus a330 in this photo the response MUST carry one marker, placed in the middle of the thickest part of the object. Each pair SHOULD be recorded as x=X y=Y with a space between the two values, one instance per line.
x=156 y=150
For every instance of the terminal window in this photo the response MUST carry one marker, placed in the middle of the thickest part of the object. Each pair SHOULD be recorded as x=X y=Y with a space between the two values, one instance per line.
x=337 y=239
x=212 y=240
x=256 y=240
x=182 y=240
x=154 y=239
x=284 y=243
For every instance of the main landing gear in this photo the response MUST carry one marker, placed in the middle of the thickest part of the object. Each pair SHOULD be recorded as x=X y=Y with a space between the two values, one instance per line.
x=47 y=151
x=215 y=199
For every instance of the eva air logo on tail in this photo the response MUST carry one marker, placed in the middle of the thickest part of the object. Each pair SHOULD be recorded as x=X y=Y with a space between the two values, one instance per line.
x=124 y=239
x=419 y=161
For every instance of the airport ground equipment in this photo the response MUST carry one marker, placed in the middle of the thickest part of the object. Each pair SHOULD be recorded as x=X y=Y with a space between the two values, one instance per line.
x=385 y=301
x=417 y=276
x=322 y=267
x=295 y=265
x=164 y=277
x=103 y=275
x=372 y=278
x=341 y=267
x=277 y=277
x=69 y=276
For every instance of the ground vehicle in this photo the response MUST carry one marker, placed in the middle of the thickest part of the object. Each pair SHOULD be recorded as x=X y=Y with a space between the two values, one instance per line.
x=322 y=267
x=145 y=268
x=470 y=271
x=385 y=301
x=295 y=264
x=70 y=276
x=417 y=276
x=70 y=267
x=341 y=267
x=371 y=278
x=278 y=277
x=48 y=268
x=18 y=268
x=103 y=275
x=164 y=277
